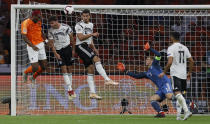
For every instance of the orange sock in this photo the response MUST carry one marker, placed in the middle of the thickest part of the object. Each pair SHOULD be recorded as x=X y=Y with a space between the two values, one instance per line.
x=37 y=73
x=28 y=70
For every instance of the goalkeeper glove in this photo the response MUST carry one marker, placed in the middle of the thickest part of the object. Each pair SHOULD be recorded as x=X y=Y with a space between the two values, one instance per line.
x=121 y=67
x=146 y=46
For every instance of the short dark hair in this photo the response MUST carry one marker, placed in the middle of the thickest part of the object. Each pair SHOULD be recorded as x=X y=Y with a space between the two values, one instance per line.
x=86 y=11
x=175 y=35
x=52 y=18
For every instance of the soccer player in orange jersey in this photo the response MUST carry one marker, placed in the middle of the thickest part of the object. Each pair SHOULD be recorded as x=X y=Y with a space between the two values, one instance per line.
x=32 y=34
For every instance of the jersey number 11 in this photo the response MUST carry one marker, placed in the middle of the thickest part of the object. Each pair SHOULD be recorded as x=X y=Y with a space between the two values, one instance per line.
x=181 y=56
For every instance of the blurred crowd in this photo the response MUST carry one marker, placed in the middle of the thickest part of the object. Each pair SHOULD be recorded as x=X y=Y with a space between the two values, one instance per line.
x=4 y=33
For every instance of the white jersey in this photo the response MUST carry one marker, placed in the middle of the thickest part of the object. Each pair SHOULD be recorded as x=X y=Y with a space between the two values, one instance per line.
x=84 y=28
x=180 y=53
x=60 y=36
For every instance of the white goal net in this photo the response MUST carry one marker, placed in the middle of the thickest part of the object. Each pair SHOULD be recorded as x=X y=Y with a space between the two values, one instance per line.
x=123 y=32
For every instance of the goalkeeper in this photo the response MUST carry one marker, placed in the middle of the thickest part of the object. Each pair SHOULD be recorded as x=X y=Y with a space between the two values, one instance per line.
x=163 y=84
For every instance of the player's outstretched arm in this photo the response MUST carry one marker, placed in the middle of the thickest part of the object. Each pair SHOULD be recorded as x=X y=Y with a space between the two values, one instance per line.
x=121 y=67
x=138 y=75
x=148 y=47
x=155 y=52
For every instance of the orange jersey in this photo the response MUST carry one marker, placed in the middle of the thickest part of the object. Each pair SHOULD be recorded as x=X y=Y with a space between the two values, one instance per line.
x=32 y=30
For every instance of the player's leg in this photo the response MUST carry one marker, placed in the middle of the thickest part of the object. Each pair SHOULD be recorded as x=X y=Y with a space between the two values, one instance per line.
x=90 y=80
x=38 y=72
x=66 y=56
x=35 y=69
x=41 y=67
x=183 y=91
x=123 y=109
x=178 y=95
x=154 y=100
x=179 y=110
x=102 y=72
x=26 y=72
x=42 y=61
x=33 y=58
x=71 y=92
x=168 y=90
x=85 y=53
x=69 y=73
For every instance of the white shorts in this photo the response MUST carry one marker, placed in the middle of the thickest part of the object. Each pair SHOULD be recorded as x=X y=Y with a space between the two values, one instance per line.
x=35 y=56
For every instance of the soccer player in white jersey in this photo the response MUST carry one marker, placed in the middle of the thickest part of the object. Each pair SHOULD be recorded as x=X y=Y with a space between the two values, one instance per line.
x=178 y=54
x=86 y=50
x=60 y=35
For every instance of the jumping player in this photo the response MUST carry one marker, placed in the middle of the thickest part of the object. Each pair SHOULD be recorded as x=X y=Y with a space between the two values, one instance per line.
x=60 y=35
x=86 y=50
x=32 y=34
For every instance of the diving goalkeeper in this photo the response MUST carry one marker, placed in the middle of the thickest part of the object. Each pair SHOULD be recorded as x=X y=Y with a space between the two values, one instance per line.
x=164 y=84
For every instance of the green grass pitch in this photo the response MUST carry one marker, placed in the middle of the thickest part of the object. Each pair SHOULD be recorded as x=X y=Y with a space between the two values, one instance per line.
x=101 y=119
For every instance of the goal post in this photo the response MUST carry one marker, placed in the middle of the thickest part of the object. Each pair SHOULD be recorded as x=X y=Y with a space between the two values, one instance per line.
x=13 y=61
x=124 y=29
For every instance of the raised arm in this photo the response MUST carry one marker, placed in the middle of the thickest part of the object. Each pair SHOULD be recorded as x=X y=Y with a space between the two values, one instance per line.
x=157 y=56
x=155 y=52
